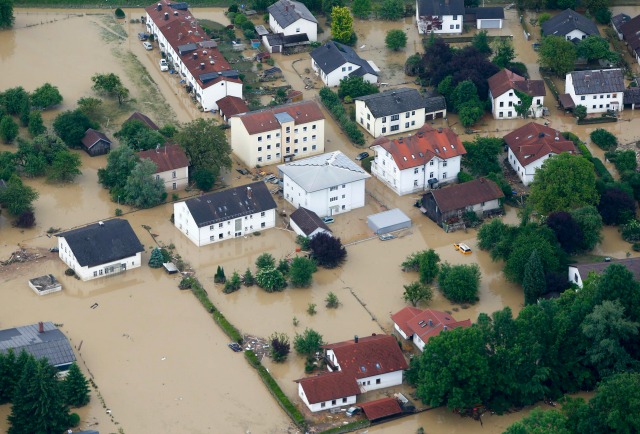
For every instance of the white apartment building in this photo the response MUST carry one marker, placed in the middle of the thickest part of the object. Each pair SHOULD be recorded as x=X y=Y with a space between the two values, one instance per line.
x=597 y=90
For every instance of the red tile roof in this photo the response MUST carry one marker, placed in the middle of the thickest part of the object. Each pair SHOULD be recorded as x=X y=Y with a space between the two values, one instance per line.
x=232 y=105
x=533 y=141
x=381 y=408
x=429 y=322
x=422 y=147
x=137 y=116
x=506 y=80
x=169 y=157
x=261 y=121
x=372 y=355
x=91 y=137
x=402 y=316
x=466 y=194
x=329 y=386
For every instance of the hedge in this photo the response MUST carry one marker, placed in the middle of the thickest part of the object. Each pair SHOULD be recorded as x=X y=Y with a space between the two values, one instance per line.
x=331 y=101
x=601 y=120
x=586 y=153
x=218 y=317
x=362 y=423
x=296 y=416
x=601 y=170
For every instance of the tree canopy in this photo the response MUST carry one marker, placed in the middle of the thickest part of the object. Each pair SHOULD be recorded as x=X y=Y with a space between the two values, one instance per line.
x=143 y=189
x=395 y=39
x=137 y=135
x=327 y=251
x=71 y=126
x=558 y=54
x=391 y=10
x=342 y=25
x=110 y=85
x=46 y=96
x=17 y=197
x=482 y=154
x=308 y=343
x=206 y=145
x=120 y=163
x=6 y=13
x=355 y=86
x=361 y=8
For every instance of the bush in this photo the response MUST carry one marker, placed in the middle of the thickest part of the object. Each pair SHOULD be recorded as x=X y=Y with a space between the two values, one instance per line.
x=623 y=160
x=603 y=138
x=327 y=251
x=464 y=177
x=303 y=242
x=204 y=179
x=266 y=260
x=69 y=272
x=332 y=103
x=280 y=347
x=156 y=259
x=119 y=13
x=26 y=219
x=301 y=272
x=219 y=277
x=270 y=279
x=631 y=231
x=460 y=283
x=311 y=309
x=248 y=279
x=332 y=301
x=233 y=284
x=584 y=151
x=74 y=419
x=601 y=170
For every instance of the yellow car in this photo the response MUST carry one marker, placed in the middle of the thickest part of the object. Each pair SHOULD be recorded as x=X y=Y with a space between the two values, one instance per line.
x=463 y=248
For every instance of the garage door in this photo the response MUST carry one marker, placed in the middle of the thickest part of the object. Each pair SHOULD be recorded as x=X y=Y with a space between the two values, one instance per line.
x=490 y=24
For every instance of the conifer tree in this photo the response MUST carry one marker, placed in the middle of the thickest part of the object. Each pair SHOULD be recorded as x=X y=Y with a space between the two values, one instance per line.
x=156 y=259
x=533 y=282
x=75 y=388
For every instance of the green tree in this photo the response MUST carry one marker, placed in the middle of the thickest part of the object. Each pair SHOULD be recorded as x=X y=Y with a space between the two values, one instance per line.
x=603 y=138
x=142 y=189
x=6 y=13
x=395 y=39
x=156 y=260
x=416 y=292
x=90 y=106
x=580 y=112
x=594 y=6
x=283 y=266
x=247 y=278
x=265 y=260
x=270 y=279
x=616 y=404
x=280 y=347
x=533 y=283
x=460 y=283
x=590 y=223
x=75 y=387
x=64 y=167
x=342 y=25
x=428 y=266
x=301 y=272
x=616 y=206
x=446 y=87
x=308 y=343
x=504 y=53
x=8 y=129
x=481 y=42
x=332 y=301
x=17 y=197
x=355 y=86
x=24 y=114
x=71 y=126
x=470 y=113
x=137 y=135
x=567 y=231
x=594 y=47
x=9 y=375
x=204 y=179
x=327 y=251
x=361 y=8
x=36 y=126
x=328 y=5
x=219 y=277
x=46 y=96
x=206 y=145
x=233 y=284
x=540 y=422
x=522 y=108
x=482 y=155
x=528 y=240
x=462 y=93
x=391 y=10
x=557 y=54
x=120 y=163
x=110 y=85
x=15 y=99
x=564 y=182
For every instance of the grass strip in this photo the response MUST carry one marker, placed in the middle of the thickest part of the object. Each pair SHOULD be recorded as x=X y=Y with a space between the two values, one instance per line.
x=363 y=423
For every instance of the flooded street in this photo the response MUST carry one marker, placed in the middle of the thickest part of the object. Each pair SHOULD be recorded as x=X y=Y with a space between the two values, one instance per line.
x=161 y=363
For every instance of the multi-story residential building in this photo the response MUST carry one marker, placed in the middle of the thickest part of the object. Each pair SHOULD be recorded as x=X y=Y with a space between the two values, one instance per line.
x=440 y=16
x=278 y=134
x=333 y=61
x=172 y=165
x=503 y=94
x=598 y=90
x=288 y=17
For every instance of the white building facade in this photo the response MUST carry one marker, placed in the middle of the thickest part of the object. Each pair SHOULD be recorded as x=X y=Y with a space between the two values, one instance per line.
x=503 y=106
x=325 y=405
x=292 y=18
x=333 y=62
x=95 y=272
x=597 y=90
x=440 y=16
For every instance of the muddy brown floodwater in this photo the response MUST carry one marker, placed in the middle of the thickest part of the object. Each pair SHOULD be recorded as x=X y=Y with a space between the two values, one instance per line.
x=160 y=362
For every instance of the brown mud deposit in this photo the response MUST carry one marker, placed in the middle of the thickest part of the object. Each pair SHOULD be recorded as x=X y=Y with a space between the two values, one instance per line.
x=161 y=363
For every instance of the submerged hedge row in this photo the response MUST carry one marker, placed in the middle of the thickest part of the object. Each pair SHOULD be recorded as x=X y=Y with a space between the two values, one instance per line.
x=332 y=103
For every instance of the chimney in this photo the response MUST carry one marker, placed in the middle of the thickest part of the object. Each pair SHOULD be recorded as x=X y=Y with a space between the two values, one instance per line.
x=159 y=7
x=175 y=13
x=202 y=65
x=355 y=339
x=40 y=327
x=166 y=16
x=248 y=192
x=195 y=55
x=430 y=323
x=158 y=148
x=444 y=328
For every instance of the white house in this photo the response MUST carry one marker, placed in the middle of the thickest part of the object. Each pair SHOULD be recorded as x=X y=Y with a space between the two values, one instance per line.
x=100 y=249
x=306 y=223
x=226 y=214
x=172 y=165
x=206 y=74
x=326 y=184
x=292 y=18
x=397 y=111
x=578 y=273
x=503 y=88
x=529 y=147
x=420 y=325
x=631 y=34
x=570 y=25
x=356 y=366
x=440 y=16
x=418 y=162
x=597 y=90
x=334 y=61
x=278 y=134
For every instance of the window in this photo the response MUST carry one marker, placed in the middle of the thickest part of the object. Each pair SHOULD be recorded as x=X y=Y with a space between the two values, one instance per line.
x=350 y=68
x=333 y=402
x=614 y=95
x=406 y=124
x=344 y=196
x=601 y=96
x=431 y=163
x=297 y=29
x=457 y=26
x=455 y=17
x=415 y=171
x=174 y=186
x=595 y=96
x=395 y=117
x=407 y=114
x=333 y=188
x=219 y=225
x=95 y=274
x=268 y=136
x=413 y=113
x=368 y=116
x=593 y=106
x=295 y=140
x=378 y=380
x=220 y=236
x=277 y=134
x=582 y=98
x=600 y=105
x=269 y=157
x=304 y=128
x=100 y=272
x=278 y=155
x=444 y=164
x=413 y=123
x=268 y=147
x=384 y=119
x=501 y=103
x=510 y=103
x=211 y=238
x=173 y=174
x=368 y=126
x=304 y=139
x=510 y=93
x=444 y=175
x=262 y=214
x=313 y=137
x=451 y=26
x=415 y=182
x=313 y=127
x=259 y=138
x=288 y=149
x=333 y=199
x=313 y=148
x=384 y=130
x=287 y=130
x=344 y=400
x=288 y=140
x=344 y=68
x=304 y=149
x=259 y=148
x=259 y=159
x=430 y=175
x=395 y=127
x=510 y=114
x=295 y=131
x=322 y=405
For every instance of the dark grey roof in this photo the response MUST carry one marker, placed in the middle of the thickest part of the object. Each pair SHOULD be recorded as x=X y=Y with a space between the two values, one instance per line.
x=287 y=12
x=52 y=344
x=600 y=81
x=632 y=264
x=181 y=6
x=308 y=221
x=393 y=102
x=435 y=104
x=210 y=76
x=275 y=39
x=619 y=20
x=632 y=96
x=187 y=48
x=567 y=21
x=103 y=242
x=333 y=55
x=492 y=13
x=229 y=204
x=440 y=7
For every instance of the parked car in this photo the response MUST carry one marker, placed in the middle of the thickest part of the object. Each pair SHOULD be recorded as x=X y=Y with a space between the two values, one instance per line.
x=53 y=250
x=362 y=156
x=386 y=237
x=143 y=36
x=352 y=411
x=463 y=248
x=147 y=46
x=328 y=219
x=270 y=178
x=164 y=66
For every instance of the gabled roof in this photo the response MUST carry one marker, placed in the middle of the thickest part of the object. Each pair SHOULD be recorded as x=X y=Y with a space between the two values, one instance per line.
x=566 y=22
x=329 y=386
x=232 y=105
x=287 y=12
x=52 y=344
x=401 y=317
x=308 y=221
x=440 y=7
x=490 y=13
x=333 y=55
x=632 y=96
x=232 y=203
x=381 y=408
x=598 y=81
x=424 y=145
x=371 y=355
x=631 y=264
x=631 y=33
x=619 y=20
x=506 y=80
x=435 y=104
x=142 y=118
x=102 y=242
x=169 y=157
x=393 y=102
x=261 y=121
x=431 y=323
x=533 y=141
x=323 y=171
x=91 y=137
x=469 y=193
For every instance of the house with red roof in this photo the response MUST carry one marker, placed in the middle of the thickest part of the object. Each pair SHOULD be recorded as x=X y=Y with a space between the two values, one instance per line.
x=420 y=325
x=205 y=73
x=355 y=366
x=530 y=145
x=172 y=165
x=504 y=87
x=418 y=162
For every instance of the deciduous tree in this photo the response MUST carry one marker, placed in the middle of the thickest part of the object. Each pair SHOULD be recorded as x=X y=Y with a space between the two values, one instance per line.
x=557 y=54
x=481 y=42
x=206 y=145
x=342 y=25
x=17 y=197
x=540 y=422
x=70 y=126
x=568 y=232
x=616 y=206
x=603 y=138
x=522 y=108
x=14 y=99
x=308 y=343
x=110 y=84
x=594 y=47
x=416 y=292
x=280 y=347
x=391 y=10
x=8 y=129
x=36 y=126
x=137 y=135
x=460 y=283
x=616 y=405
x=482 y=155
x=6 y=13
x=395 y=39
x=529 y=239
x=142 y=189
x=204 y=179
x=327 y=251
x=64 y=167
x=265 y=260
x=270 y=279
x=590 y=223
x=504 y=52
x=120 y=163
x=428 y=266
x=301 y=272
x=46 y=96
x=355 y=86
x=361 y=8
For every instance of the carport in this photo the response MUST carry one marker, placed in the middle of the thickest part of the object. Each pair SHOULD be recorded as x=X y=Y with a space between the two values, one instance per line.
x=388 y=221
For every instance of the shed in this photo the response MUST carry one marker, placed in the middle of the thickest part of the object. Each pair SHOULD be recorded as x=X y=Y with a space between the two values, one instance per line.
x=170 y=267
x=96 y=143
x=388 y=221
x=46 y=284
x=381 y=409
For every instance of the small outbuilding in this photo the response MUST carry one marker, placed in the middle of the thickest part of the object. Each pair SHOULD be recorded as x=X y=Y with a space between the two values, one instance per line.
x=388 y=221
x=306 y=223
x=381 y=409
x=46 y=284
x=96 y=143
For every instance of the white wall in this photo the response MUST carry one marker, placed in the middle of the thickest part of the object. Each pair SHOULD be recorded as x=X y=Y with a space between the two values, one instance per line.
x=299 y=27
x=174 y=179
x=89 y=273
x=574 y=276
x=327 y=404
x=447 y=22
x=400 y=332
x=526 y=173
x=576 y=34
x=333 y=78
x=345 y=197
x=419 y=343
x=479 y=23
x=383 y=125
x=300 y=232
x=595 y=102
x=502 y=107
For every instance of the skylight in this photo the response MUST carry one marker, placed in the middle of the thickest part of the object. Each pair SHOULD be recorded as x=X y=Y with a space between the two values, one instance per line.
x=378 y=365
x=363 y=369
